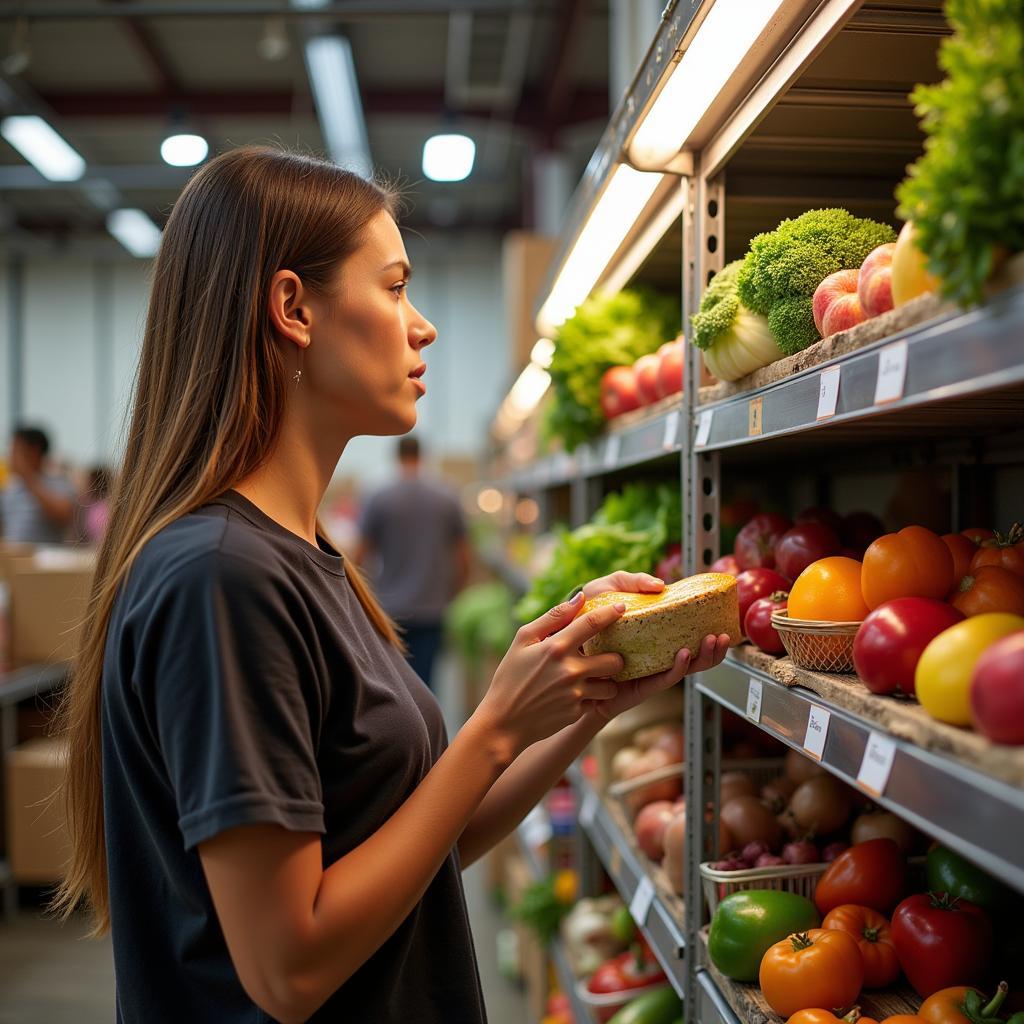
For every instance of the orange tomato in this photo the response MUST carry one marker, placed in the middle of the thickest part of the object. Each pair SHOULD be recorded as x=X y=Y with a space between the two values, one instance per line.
x=828 y=590
x=870 y=930
x=989 y=588
x=902 y=1018
x=978 y=534
x=912 y=563
x=828 y=1017
x=809 y=969
x=947 y=1005
x=1006 y=552
x=963 y=550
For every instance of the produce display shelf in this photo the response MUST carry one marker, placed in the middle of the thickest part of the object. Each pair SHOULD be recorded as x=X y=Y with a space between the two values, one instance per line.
x=960 y=357
x=567 y=980
x=660 y=920
x=980 y=816
x=642 y=437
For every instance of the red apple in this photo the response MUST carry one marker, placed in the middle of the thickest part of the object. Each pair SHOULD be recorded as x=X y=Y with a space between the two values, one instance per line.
x=727 y=564
x=874 y=287
x=646 y=370
x=619 y=391
x=670 y=368
x=835 y=304
x=650 y=827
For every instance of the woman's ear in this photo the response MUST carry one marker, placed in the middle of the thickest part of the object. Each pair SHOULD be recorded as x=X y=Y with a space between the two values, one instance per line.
x=289 y=309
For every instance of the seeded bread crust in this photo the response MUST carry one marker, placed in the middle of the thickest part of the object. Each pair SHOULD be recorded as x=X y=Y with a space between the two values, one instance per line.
x=655 y=626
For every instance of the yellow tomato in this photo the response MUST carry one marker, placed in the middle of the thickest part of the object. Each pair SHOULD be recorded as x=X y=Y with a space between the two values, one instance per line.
x=943 y=675
x=828 y=591
x=910 y=274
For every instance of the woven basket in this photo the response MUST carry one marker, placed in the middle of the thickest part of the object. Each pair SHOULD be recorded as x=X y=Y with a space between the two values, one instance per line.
x=819 y=646
x=801 y=879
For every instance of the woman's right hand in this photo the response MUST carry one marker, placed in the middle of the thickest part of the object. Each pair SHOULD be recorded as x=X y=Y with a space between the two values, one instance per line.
x=543 y=683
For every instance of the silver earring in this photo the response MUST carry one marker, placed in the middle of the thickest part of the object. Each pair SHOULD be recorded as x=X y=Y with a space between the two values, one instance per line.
x=297 y=377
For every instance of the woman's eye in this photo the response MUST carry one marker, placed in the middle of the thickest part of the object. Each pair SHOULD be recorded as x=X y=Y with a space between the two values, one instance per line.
x=400 y=287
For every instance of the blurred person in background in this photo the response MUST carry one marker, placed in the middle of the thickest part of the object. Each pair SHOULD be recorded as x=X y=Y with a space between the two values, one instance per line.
x=414 y=534
x=95 y=503
x=38 y=505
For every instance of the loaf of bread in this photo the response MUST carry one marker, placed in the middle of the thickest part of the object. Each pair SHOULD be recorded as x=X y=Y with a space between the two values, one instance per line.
x=655 y=626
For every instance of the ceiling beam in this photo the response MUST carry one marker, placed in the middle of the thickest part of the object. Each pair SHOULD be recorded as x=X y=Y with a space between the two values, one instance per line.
x=338 y=10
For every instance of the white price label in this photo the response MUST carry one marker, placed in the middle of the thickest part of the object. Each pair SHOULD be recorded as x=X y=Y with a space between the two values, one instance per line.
x=640 y=904
x=817 y=732
x=754 y=693
x=704 y=428
x=611 y=452
x=588 y=811
x=877 y=764
x=828 y=392
x=668 y=441
x=892 y=373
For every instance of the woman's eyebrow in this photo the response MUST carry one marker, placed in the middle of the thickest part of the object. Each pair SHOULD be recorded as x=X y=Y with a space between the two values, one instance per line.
x=406 y=269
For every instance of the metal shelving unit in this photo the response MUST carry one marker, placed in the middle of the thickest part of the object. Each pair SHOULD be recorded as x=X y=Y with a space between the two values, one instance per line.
x=815 y=114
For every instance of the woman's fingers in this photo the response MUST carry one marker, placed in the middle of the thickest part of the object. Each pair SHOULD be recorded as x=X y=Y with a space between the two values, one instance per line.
x=597 y=689
x=552 y=621
x=586 y=626
x=712 y=651
x=628 y=582
x=601 y=666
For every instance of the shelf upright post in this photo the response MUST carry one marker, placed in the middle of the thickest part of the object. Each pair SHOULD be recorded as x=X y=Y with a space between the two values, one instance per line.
x=703 y=247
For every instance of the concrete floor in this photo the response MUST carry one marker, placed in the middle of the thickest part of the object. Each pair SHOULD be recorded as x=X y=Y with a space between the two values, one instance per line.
x=51 y=974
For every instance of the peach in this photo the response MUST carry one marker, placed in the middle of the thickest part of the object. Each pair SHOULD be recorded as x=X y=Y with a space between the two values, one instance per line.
x=874 y=288
x=844 y=313
x=646 y=370
x=842 y=282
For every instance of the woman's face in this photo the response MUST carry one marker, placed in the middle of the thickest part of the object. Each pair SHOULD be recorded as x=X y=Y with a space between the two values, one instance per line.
x=365 y=360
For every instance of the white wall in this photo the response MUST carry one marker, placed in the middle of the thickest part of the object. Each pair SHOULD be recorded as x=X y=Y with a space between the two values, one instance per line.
x=83 y=322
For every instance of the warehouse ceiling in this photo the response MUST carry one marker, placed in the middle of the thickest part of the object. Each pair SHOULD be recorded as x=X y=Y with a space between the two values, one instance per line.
x=113 y=76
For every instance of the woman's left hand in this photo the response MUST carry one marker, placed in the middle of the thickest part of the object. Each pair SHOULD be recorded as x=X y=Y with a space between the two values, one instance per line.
x=635 y=691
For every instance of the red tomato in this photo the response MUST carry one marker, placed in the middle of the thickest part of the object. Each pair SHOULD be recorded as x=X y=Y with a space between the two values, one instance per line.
x=803 y=544
x=859 y=530
x=911 y=563
x=670 y=568
x=997 y=691
x=941 y=941
x=1006 y=552
x=727 y=564
x=889 y=642
x=625 y=972
x=871 y=874
x=755 y=543
x=873 y=935
x=989 y=588
x=757 y=623
x=755 y=583
x=963 y=550
x=979 y=534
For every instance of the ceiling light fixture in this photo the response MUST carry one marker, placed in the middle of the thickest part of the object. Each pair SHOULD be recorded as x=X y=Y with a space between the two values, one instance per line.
x=135 y=231
x=627 y=193
x=724 y=38
x=40 y=144
x=448 y=157
x=184 y=150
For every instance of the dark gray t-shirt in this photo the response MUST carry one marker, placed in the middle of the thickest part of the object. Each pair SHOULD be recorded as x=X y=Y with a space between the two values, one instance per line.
x=413 y=526
x=243 y=683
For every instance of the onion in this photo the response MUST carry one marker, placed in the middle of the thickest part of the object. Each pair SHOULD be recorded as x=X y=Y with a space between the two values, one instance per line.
x=673 y=862
x=804 y=852
x=622 y=760
x=830 y=852
x=821 y=805
x=748 y=820
x=754 y=850
x=649 y=735
x=883 y=825
x=800 y=768
x=666 y=789
x=769 y=860
x=734 y=784
x=673 y=744
x=776 y=793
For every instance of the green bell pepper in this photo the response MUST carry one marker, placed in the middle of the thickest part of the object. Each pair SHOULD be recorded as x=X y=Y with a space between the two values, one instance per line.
x=949 y=872
x=661 y=1006
x=746 y=924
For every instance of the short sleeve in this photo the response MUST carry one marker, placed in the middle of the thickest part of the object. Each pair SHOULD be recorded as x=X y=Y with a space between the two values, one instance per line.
x=227 y=683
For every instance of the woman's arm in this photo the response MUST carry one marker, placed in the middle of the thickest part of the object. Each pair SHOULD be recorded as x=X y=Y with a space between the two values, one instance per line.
x=297 y=932
x=539 y=768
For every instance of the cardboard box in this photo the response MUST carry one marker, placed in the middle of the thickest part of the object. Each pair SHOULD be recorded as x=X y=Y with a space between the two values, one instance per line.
x=37 y=840
x=48 y=596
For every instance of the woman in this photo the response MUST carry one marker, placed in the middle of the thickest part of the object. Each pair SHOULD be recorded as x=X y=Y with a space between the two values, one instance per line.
x=262 y=806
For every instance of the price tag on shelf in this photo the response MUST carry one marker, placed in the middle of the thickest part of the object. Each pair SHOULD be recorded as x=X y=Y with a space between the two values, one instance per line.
x=877 y=764
x=754 y=693
x=892 y=373
x=588 y=810
x=817 y=732
x=828 y=392
x=668 y=440
x=755 y=417
x=612 y=449
x=704 y=428
x=640 y=904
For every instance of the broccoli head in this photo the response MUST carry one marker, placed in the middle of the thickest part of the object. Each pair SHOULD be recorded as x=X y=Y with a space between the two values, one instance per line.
x=783 y=268
x=718 y=306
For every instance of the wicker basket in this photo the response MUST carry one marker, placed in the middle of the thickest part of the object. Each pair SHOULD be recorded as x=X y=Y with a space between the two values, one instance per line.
x=801 y=879
x=820 y=646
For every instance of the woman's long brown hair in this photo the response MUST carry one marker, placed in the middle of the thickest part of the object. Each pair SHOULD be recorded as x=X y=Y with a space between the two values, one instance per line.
x=210 y=393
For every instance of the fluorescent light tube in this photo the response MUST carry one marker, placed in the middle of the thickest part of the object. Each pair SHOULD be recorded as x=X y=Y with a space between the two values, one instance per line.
x=184 y=150
x=43 y=147
x=720 y=44
x=448 y=157
x=135 y=231
x=542 y=353
x=627 y=193
x=332 y=76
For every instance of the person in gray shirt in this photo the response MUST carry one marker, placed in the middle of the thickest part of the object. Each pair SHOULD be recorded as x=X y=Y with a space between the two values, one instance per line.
x=414 y=535
x=37 y=507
